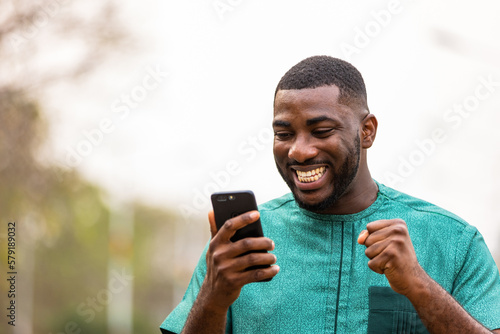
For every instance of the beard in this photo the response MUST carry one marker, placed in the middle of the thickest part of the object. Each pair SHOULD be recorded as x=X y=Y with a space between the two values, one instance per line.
x=342 y=179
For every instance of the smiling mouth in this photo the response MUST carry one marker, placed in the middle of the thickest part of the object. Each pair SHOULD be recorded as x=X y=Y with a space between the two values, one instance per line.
x=310 y=175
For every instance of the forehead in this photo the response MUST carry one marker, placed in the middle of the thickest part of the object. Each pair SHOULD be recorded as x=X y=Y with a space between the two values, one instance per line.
x=310 y=101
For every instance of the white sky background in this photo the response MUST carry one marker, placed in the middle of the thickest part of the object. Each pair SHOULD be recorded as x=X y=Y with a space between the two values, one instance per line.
x=215 y=105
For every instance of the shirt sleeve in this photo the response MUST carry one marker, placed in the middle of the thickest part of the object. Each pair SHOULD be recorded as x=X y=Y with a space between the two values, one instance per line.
x=477 y=284
x=177 y=318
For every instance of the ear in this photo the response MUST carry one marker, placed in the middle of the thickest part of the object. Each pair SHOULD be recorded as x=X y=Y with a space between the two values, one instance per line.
x=369 y=131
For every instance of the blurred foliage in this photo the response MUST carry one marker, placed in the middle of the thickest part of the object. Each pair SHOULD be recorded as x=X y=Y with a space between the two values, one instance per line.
x=64 y=246
x=61 y=216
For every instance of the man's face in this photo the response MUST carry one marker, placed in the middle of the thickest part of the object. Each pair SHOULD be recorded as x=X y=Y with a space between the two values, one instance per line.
x=316 y=145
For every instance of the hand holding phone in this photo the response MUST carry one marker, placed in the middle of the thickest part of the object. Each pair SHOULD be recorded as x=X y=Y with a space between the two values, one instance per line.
x=228 y=205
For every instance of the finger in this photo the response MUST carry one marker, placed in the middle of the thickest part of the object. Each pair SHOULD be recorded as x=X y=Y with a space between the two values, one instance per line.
x=386 y=261
x=253 y=259
x=262 y=274
x=362 y=237
x=379 y=255
x=257 y=275
x=381 y=224
x=382 y=230
x=251 y=244
x=230 y=226
x=213 y=226
x=378 y=225
x=376 y=266
x=236 y=269
x=236 y=250
x=376 y=249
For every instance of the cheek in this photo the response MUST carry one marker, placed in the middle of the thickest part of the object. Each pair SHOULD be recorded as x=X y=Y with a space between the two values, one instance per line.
x=280 y=150
x=332 y=147
x=343 y=146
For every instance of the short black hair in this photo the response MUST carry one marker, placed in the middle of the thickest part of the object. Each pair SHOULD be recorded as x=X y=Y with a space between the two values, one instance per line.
x=318 y=71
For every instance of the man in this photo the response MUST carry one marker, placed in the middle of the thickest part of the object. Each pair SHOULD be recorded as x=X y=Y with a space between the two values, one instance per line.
x=349 y=255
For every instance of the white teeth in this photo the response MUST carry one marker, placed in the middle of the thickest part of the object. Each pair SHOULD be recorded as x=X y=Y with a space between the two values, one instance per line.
x=310 y=175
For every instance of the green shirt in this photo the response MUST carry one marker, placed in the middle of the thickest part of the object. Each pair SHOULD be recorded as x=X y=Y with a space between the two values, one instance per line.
x=325 y=286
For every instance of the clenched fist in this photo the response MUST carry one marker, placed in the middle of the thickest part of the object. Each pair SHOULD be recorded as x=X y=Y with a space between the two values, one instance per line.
x=391 y=253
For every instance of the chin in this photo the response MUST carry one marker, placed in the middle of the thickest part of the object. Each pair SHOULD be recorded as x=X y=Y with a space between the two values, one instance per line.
x=320 y=205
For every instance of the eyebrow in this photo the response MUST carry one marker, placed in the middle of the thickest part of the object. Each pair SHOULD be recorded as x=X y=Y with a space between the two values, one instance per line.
x=309 y=122
x=318 y=119
x=279 y=123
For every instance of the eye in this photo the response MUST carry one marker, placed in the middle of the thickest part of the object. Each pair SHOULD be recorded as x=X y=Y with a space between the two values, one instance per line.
x=323 y=132
x=283 y=135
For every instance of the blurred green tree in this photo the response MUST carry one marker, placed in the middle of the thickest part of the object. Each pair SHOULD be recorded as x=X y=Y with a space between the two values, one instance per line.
x=63 y=242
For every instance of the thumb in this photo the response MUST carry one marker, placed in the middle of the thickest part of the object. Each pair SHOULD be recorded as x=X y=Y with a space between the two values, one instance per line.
x=213 y=227
x=362 y=237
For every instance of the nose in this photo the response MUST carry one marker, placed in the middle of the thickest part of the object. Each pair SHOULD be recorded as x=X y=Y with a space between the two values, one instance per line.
x=302 y=150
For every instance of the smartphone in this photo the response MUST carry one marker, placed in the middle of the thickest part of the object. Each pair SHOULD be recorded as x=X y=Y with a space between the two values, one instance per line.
x=228 y=205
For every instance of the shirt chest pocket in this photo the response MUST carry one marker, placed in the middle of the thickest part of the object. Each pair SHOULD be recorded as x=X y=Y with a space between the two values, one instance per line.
x=390 y=312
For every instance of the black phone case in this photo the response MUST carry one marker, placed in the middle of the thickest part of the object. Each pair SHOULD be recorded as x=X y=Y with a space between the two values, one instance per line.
x=231 y=204
x=227 y=205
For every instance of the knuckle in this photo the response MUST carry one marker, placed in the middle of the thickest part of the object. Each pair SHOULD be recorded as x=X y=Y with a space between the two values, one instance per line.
x=225 y=274
x=210 y=255
x=222 y=270
x=400 y=229
x=389 y=266
x=229 y=224
x=391 y=253
x=370 y=227
x=259 y=275
x=374 y=266
x=252 y=259
x=399 y=242
x=217 y=257
x=371 y=266
x=212 y=246
x=400 y=222
x=245 y=243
